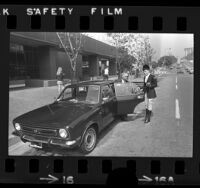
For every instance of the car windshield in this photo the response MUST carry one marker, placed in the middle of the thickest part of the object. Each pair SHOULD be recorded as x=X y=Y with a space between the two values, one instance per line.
x=84 y=93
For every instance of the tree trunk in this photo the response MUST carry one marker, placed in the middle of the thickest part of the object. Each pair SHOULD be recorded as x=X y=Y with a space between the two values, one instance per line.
x=119 y=70
x=136 y=72
x=73 y=80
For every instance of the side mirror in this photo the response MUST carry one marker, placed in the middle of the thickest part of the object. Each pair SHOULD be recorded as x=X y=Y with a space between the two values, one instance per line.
x=56 y=99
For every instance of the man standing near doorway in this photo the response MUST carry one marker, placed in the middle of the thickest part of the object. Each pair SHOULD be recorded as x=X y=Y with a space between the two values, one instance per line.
x=106 y=73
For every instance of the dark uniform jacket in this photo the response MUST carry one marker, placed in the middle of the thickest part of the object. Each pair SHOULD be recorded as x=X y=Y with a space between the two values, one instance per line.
x=151 y=93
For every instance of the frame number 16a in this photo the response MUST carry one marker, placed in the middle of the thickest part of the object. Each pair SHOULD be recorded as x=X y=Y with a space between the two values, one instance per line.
x=159 y=180
x=164 y=180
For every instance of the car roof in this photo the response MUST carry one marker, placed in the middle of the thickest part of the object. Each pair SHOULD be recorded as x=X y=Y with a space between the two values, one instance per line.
x=93 y=82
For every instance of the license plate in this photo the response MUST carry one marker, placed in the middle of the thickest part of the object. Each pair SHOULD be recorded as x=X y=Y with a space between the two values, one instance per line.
x=36 y=145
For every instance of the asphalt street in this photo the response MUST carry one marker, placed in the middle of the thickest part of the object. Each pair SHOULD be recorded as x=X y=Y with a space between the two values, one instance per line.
x=169 y=134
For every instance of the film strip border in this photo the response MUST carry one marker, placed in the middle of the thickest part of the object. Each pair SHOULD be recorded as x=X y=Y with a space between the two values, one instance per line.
x=108 y=25
x=85 y=19
x=96 y=170
x=99 y=171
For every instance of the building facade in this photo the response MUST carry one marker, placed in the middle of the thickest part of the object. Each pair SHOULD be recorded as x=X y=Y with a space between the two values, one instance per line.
x=35 y=57
x=188 y=52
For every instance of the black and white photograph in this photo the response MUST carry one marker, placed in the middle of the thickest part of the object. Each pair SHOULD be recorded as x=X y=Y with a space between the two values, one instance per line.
x=101 y=94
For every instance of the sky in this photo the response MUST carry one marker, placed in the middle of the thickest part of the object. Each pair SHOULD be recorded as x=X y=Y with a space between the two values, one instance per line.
x=163 y=44
x=171 y=43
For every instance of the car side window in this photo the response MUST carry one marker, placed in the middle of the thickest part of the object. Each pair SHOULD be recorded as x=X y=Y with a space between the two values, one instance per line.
x=107 y=92
x=125 y=89
x=82 y=92
x=68 y=93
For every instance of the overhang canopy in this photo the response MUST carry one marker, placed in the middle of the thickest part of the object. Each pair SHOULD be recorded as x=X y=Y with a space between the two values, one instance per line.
x=35 y=39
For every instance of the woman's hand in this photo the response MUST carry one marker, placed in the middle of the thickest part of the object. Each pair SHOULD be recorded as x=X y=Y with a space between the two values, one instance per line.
x=148 y=84
x=136 y=90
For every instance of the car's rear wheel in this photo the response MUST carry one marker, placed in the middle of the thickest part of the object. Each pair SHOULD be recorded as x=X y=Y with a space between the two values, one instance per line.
x=89 y=140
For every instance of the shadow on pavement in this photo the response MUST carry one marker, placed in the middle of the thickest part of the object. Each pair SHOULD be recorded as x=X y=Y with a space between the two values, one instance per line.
x=139 y=115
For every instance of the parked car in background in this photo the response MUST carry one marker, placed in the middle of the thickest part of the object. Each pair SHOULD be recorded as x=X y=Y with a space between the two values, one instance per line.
x=180 y=71
x=78 y=115
x=191 y=70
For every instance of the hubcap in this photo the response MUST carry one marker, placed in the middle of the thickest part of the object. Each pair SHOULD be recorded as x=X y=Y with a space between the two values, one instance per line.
x=90 y=139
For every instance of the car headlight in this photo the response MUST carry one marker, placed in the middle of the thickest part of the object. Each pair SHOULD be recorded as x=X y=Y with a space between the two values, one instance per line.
x=63 y=133
x=17 y=126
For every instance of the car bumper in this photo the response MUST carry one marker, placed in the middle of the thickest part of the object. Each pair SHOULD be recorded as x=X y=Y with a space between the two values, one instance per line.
x=39 y=140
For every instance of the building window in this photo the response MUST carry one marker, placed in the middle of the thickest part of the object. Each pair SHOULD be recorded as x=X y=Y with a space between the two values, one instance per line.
x=23 y=62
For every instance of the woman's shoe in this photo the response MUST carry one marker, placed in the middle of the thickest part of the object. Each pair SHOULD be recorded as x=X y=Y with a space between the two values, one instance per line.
x=147 y=116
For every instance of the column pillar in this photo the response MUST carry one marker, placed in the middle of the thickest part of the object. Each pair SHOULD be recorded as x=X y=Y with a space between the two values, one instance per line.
x=93 y=65
x=112 y=67
x=52 y=61
x=46 y=63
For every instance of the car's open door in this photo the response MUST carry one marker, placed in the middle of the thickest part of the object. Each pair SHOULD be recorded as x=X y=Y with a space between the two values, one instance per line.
x=127 y=97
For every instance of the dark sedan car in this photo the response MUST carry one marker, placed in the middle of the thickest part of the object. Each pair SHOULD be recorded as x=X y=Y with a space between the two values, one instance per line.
x=78 y=115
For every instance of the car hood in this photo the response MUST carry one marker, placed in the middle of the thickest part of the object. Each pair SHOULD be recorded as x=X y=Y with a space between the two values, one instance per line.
x=55 y=115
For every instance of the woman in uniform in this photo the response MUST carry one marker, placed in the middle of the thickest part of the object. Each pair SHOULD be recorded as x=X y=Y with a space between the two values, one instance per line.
x=150 y=83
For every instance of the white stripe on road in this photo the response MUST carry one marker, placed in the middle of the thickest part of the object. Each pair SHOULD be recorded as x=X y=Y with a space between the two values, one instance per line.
x=177 y=110
x=176 y=87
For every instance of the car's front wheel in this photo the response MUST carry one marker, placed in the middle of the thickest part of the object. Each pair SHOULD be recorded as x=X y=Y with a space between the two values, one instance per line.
x=89 y=140
x=123 y=117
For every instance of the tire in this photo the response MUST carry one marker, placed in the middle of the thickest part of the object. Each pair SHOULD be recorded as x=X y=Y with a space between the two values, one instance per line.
x=89 y=140
x=123 y=117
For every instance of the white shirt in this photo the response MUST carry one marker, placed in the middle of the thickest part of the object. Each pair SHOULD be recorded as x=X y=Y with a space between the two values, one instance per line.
x=106 y=71
x=146 y=78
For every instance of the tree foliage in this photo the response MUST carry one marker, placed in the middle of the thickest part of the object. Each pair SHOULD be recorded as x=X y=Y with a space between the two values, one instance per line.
x=167 y=60
x=125 y=60
x=136 y=46
x=154 y=64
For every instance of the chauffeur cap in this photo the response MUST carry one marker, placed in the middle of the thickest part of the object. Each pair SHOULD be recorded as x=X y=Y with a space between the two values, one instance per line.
x=146 y=67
